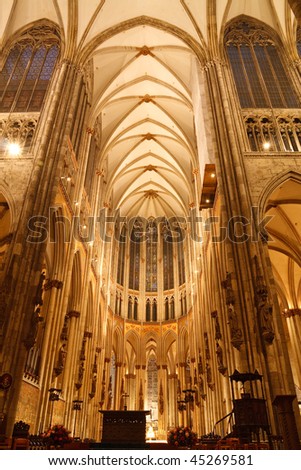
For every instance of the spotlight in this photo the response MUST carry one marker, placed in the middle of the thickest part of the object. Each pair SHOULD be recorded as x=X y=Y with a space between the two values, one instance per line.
x=266 y=145
x=14 y=149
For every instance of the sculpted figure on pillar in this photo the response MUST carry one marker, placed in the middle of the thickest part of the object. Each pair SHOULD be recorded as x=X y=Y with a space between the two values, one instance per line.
x=210 y=382
x=80 y=376
x=36 y=318
x=61 y=360
x=220 y=362
x=62 y=356
x=235 y=330
x=264 y=308
x=265 y=311
x=218 y=333
x=93 y=386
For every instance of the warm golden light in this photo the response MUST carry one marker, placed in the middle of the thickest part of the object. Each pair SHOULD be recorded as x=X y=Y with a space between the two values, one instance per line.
x=150 y=434
x=14 y=149
x=212 y=175
x=266 y=145
x=207 y=201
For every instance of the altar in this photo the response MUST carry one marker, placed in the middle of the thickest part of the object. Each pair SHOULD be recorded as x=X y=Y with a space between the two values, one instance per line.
x=124 y=427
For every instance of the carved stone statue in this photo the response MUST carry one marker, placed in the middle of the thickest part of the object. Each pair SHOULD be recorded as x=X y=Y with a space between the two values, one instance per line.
x=264 y=308
x=80 y=376
x=210 y=383
x=265 y=311
x=61 y=360
x=93 y=386
x=62 y=356
x=33 y=329
x=207 y=350
x=110 y=400
x=235 y=331
x=219 y=355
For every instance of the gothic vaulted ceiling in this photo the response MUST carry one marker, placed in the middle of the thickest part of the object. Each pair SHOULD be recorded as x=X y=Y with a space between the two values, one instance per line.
x=142 y=54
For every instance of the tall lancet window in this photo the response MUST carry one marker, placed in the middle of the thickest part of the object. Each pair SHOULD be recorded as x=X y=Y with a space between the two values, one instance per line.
x=180 y=235
x=168 y=261
x=135 y=240
x=151 y=256
x=28 y=69
x=261 y=77
x=152 y=387
x=121 y=256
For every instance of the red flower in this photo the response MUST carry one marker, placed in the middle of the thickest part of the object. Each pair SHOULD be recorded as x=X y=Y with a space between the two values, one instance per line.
x=181 y=436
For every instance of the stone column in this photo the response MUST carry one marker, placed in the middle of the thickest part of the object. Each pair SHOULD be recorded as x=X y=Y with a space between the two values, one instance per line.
x=72 y=357
x=293 y=322
x=172 y=385
x=255 y=352
x=48 y=357
x=28 y=258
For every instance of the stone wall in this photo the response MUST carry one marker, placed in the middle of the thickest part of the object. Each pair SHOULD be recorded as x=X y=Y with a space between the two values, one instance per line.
x=262 y=170
x=14 y=179
x=28 y=404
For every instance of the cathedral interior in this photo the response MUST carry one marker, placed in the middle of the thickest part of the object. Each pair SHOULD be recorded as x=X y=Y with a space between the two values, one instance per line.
x=150 y=191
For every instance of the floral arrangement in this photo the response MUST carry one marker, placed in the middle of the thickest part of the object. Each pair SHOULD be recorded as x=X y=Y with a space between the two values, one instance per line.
x=57 y=435
x=181 y=437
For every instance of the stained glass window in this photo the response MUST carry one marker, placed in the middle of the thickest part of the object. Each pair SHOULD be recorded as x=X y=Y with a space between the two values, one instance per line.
x=260 y=76
x=168 y=262
x=135 y=240
x=121 y=256
x=27 y=72
x=152 y=387
x=151 y=256
x=181 y=256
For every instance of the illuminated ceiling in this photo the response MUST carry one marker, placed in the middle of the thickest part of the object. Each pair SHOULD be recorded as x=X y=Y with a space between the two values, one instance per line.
x=143 y=59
